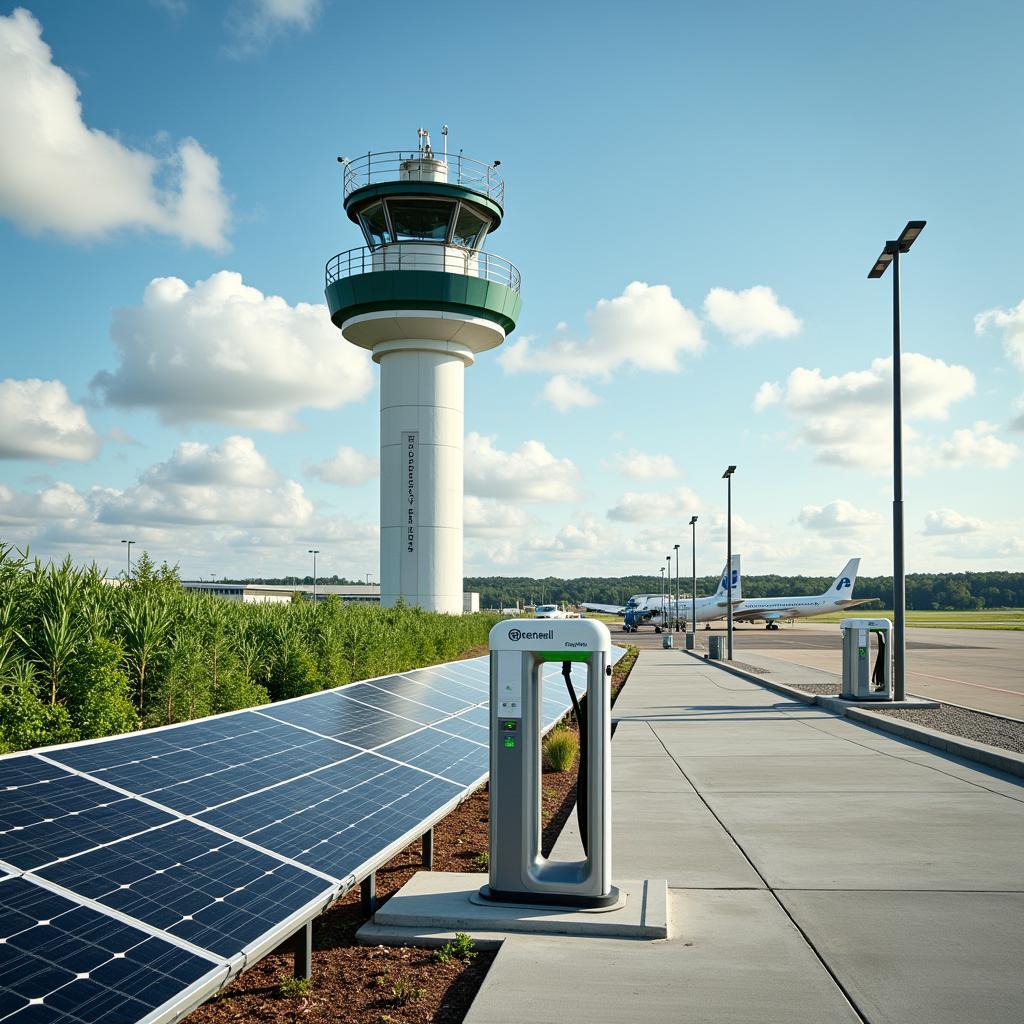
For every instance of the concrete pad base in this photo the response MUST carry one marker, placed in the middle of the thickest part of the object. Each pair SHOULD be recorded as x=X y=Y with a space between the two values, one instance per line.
x=436 y=903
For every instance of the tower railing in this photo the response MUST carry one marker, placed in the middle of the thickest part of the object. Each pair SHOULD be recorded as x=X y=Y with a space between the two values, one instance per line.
x=377 y=168
x=451 y=259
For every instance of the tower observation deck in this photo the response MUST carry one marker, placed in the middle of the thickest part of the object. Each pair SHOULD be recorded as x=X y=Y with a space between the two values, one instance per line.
x=425 y=298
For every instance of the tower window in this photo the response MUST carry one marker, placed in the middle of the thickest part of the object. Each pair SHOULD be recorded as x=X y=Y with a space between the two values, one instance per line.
x=420 y=219
x=375 y=225
x=469 y=228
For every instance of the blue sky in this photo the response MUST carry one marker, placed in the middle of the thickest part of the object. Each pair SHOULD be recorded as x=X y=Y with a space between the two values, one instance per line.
x=694 y=196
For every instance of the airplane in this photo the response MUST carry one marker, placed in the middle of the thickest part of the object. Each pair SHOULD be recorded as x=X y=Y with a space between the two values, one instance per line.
x=838 y=597
x=653 y=608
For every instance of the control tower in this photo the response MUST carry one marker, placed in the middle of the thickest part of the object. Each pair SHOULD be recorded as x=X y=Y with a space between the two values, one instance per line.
x=425 y=298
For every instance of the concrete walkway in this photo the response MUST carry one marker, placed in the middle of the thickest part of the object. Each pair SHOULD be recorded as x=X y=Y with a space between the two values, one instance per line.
x=819 y=871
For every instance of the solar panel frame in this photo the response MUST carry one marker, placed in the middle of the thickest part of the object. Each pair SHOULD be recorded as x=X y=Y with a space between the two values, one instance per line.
x=463 y=680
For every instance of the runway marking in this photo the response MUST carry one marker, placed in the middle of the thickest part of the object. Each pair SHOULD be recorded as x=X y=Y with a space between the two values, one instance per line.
x=981 y=686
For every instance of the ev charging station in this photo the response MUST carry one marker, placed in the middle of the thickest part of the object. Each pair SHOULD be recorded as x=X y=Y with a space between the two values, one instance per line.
x=864 y=677
x=519 y=874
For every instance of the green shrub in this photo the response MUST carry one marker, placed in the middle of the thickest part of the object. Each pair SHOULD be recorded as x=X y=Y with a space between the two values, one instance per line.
x=294 y=988
x=460 y=948
x=560 y=748
x=81 y=659
x=402 y=992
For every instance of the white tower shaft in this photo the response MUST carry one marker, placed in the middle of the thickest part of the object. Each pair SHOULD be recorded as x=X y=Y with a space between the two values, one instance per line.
x=421 y=442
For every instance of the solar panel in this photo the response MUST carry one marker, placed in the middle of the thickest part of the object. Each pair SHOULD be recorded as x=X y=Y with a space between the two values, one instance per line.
x=198 y=768
x=452 y=757
x=64 y=963
x=334 y=819
x=192 y=883
x=41 y=822
x=114 y=906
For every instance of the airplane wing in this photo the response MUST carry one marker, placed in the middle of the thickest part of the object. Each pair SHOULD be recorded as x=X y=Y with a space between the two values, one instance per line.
x=608 y=609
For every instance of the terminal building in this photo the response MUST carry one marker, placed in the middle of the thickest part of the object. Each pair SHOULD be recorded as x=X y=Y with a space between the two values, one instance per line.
x=275 y=593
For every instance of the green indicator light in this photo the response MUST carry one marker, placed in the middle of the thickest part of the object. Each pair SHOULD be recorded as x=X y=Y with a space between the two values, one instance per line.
x=510 y=723
x=510 y=742
x=862 y=652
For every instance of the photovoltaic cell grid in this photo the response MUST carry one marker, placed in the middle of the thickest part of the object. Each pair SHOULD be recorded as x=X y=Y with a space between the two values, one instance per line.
x=286 y=806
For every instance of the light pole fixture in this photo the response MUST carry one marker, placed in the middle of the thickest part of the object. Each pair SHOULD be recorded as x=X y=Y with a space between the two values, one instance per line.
x=891 y=254
x=693 y=625
x=675 y=614
x=727 y=477
x=129 y=543
x=314 y=552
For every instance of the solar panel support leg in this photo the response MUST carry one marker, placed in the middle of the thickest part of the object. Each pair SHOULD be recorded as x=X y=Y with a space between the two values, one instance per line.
x=428 y=849
x=368 y=893
x=303 y=948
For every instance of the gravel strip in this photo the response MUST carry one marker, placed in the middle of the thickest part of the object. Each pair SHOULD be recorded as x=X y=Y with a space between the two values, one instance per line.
x=825 y=689
x=968 y=725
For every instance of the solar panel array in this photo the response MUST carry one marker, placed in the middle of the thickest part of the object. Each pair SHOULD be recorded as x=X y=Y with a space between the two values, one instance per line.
x=138 y=874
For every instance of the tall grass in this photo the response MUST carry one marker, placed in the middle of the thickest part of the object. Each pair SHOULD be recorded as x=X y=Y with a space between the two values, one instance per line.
x=81 y=659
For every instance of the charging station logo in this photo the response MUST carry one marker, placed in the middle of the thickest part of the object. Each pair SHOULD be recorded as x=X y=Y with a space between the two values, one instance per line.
x=843 y=583
x=518 y=634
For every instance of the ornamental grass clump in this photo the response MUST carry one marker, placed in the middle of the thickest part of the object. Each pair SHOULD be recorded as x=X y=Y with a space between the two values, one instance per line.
x=560 y=749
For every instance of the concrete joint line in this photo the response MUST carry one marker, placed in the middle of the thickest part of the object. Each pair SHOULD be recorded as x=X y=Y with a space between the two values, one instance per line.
x=768 y=888
x=992 y=757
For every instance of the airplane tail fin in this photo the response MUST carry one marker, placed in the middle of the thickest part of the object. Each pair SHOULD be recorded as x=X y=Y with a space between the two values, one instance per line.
x=842 y=585
x=737 y=582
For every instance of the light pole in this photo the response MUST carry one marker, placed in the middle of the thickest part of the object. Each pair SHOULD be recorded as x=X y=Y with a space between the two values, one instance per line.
x=314 y=552
x=891 y=254
x=129 y=543
x=675 y=616
x=693 y=625
x=727 y=477
x=668 y=590
x=662 y=571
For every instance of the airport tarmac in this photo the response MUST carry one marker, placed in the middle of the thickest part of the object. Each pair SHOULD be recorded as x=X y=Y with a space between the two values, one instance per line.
x=978 y=668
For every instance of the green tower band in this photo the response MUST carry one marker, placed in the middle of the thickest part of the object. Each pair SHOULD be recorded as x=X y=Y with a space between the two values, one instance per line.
x=425 y=298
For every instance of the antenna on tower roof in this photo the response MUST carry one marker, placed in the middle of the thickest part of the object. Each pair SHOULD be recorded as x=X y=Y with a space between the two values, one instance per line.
x=425 y=148
x=444 y=136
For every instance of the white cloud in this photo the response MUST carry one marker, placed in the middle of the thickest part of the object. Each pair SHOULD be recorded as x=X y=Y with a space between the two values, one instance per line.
x=644 y=328
x=749 y=315
x=837 y=516
x=61 y=501
x=492 y=519
x=254 y=23
x=235 y=462
x=200 y=484
x=566 y=393
x=976 y=446
x=1011 y=322
x=847 y=418
x=224 y=351
x=58 y=174
x=530 y=473
x=768 y=394
x=39 y=421
x=643 y=466
x=346 y=467
x=634 y=507
x=943 y=521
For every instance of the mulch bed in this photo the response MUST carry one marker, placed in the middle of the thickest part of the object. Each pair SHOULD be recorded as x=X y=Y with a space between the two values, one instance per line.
x=379 y=984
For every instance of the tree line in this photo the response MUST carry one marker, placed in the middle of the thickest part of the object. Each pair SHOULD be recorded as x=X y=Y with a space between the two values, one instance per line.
x=925 y=591
x=81 y=658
